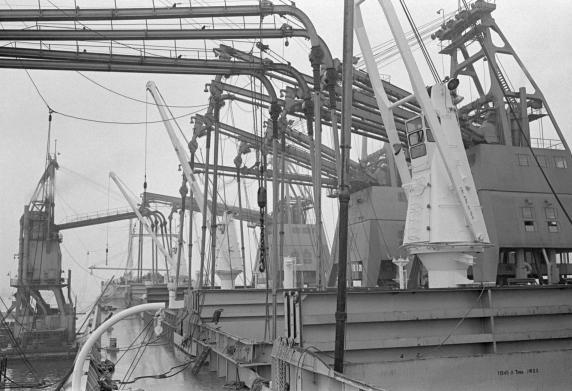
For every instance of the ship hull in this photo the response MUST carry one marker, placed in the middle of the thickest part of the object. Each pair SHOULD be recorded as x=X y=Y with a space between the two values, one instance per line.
x=485 y=338
x=522 y=371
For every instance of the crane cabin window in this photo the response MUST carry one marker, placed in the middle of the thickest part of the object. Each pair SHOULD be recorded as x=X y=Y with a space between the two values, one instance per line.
x=415 y=138
x=418 y=151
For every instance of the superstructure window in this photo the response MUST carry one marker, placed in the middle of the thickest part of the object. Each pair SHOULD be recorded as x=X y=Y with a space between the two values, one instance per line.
x=560 y=162
x=529 y=226
x=550 y=213
x=553 y=226
x=527 y=213
x=357 y=271
x=543 y=161
x=523 y=159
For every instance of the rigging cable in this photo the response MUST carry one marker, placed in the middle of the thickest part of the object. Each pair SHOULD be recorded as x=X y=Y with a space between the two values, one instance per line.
x=428 y=59
x=132 y=98
x=146 y=122
x=17 y=344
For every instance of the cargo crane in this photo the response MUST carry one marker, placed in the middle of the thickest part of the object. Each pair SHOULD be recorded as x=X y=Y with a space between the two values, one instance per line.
x=444 y=225
x=41 y=327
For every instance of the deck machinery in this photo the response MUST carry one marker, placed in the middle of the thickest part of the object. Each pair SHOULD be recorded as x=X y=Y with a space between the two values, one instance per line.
x=522 y=177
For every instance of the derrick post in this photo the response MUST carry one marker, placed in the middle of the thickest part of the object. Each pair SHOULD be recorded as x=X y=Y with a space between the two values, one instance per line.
x=204 y=210
x=275 y=110
x=193 y=145
x=347 y=81
x=183 y=190
x=238 y=164
x=217 y=104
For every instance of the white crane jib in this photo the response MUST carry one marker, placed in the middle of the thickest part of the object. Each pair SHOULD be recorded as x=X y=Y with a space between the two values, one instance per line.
x=133 y=204
x=444 y=224
x=179 y=148
x=229 y=250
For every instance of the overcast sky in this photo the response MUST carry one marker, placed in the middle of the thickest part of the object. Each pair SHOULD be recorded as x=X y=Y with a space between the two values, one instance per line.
x=539 y=32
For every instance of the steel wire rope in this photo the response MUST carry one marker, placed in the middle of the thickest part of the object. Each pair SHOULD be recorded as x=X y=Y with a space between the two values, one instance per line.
x=102 y=121
x=90 y=272
x=428 y=59
x=389 y=45
x=392 y=52
x=459 y=322
x=14 y=339
x=152 y=342
x=138 y=354
x=144 y=329
x=132 y=98
x=387 y=50
x=163 y=375
x=120 y=122
x=173 y=119
x=395 y=58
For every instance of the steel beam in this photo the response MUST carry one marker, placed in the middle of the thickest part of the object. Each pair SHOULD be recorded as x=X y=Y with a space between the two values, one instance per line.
x=252 y=173
x=77 y=14
x=148 y=35
x=96 y=221
x=249 y=215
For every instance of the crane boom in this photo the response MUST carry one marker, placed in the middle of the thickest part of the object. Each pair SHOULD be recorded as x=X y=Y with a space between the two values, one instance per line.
x=225 y=234
x=179 y=148
x=133 y=204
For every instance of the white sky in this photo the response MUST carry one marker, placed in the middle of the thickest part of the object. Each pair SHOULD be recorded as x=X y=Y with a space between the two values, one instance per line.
x=538 y=31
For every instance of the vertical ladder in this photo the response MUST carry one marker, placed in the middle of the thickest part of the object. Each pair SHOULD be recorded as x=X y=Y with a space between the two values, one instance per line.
x=499 y=76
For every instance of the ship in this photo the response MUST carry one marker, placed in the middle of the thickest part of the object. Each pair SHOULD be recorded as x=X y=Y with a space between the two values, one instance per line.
x=450 y=265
